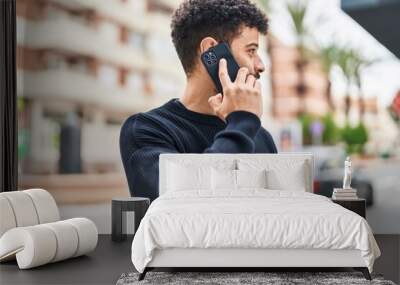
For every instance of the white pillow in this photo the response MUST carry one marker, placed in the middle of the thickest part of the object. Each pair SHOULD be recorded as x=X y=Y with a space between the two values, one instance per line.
x=288 y=176
x=182 y=177
x=223 y=179
x=186 y=174
x=293 y=181
x=282 y=174
x=229 y=179
x=251 y=178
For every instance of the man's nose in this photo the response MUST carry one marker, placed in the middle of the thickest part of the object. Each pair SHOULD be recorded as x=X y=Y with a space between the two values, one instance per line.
x=259 y=66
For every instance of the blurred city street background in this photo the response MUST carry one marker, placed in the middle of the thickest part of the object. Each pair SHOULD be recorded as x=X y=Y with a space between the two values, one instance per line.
x=330 y=88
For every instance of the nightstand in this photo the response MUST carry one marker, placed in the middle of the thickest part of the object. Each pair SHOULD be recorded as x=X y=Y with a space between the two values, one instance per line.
x=127 y=213
x=358 y=205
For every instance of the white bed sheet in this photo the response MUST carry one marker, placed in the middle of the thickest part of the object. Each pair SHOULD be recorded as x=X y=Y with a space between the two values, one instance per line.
x=251 y=218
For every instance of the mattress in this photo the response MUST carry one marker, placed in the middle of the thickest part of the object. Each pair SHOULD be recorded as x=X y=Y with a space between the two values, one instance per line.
x=250 y=218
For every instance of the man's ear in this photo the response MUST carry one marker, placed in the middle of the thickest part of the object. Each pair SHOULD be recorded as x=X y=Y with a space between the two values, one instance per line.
x=206 y=43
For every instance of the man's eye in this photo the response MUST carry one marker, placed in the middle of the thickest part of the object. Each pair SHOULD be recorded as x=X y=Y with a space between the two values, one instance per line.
x=252 y=51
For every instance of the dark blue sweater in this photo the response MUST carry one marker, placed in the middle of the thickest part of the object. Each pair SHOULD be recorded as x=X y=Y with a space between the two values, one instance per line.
x=172 y=128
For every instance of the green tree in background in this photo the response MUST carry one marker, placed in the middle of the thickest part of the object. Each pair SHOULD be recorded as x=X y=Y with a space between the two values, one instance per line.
x=345 y=62
x=306 y=121
x=360 y=63
x=328 y=57
x=298 y=11
x=266 y=5
x=355 y=138
x=331 y=133
x=351 y=62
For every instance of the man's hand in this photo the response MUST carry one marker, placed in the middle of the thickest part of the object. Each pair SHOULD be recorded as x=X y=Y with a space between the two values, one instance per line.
x=242 y=94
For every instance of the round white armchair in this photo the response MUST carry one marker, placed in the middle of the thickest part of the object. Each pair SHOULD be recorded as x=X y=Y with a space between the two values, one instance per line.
x=32 y=233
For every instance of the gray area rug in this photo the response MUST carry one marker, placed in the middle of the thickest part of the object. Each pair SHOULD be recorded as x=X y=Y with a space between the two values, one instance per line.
x=275 y=278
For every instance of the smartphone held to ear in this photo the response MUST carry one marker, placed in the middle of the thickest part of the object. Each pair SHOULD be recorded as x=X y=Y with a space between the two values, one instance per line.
x=211 y=58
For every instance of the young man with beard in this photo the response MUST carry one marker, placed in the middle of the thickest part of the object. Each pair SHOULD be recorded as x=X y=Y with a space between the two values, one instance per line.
x=202 y=121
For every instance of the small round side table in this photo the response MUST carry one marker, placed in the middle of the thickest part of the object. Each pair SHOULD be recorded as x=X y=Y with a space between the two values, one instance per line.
x=120 y=208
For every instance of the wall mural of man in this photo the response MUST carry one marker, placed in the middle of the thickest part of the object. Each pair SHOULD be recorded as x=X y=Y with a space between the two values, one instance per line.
x=202 y=121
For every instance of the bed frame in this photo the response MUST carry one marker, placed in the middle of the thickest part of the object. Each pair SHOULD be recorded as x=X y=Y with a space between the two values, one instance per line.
x=241 y=259
x=246 y=259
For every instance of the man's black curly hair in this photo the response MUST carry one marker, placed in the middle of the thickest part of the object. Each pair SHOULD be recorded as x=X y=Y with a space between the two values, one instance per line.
x=220 y=19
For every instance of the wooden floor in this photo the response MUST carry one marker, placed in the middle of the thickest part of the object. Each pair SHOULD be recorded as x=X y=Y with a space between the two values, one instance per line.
x=111 y=259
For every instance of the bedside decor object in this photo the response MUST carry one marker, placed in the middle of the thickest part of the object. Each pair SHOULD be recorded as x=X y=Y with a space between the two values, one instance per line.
x=347 y=174
x=31 y=231
x=126 y=213
x=345 y=193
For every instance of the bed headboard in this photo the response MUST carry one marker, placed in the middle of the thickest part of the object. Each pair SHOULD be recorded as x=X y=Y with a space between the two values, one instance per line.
x=195 y=158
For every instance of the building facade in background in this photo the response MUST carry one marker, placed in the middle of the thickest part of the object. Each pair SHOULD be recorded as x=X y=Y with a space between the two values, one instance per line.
x=285 y=79
x=98 y=60
x=82 y=68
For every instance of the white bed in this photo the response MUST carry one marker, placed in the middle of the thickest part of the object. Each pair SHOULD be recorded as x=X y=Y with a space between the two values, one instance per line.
x=282 y=224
